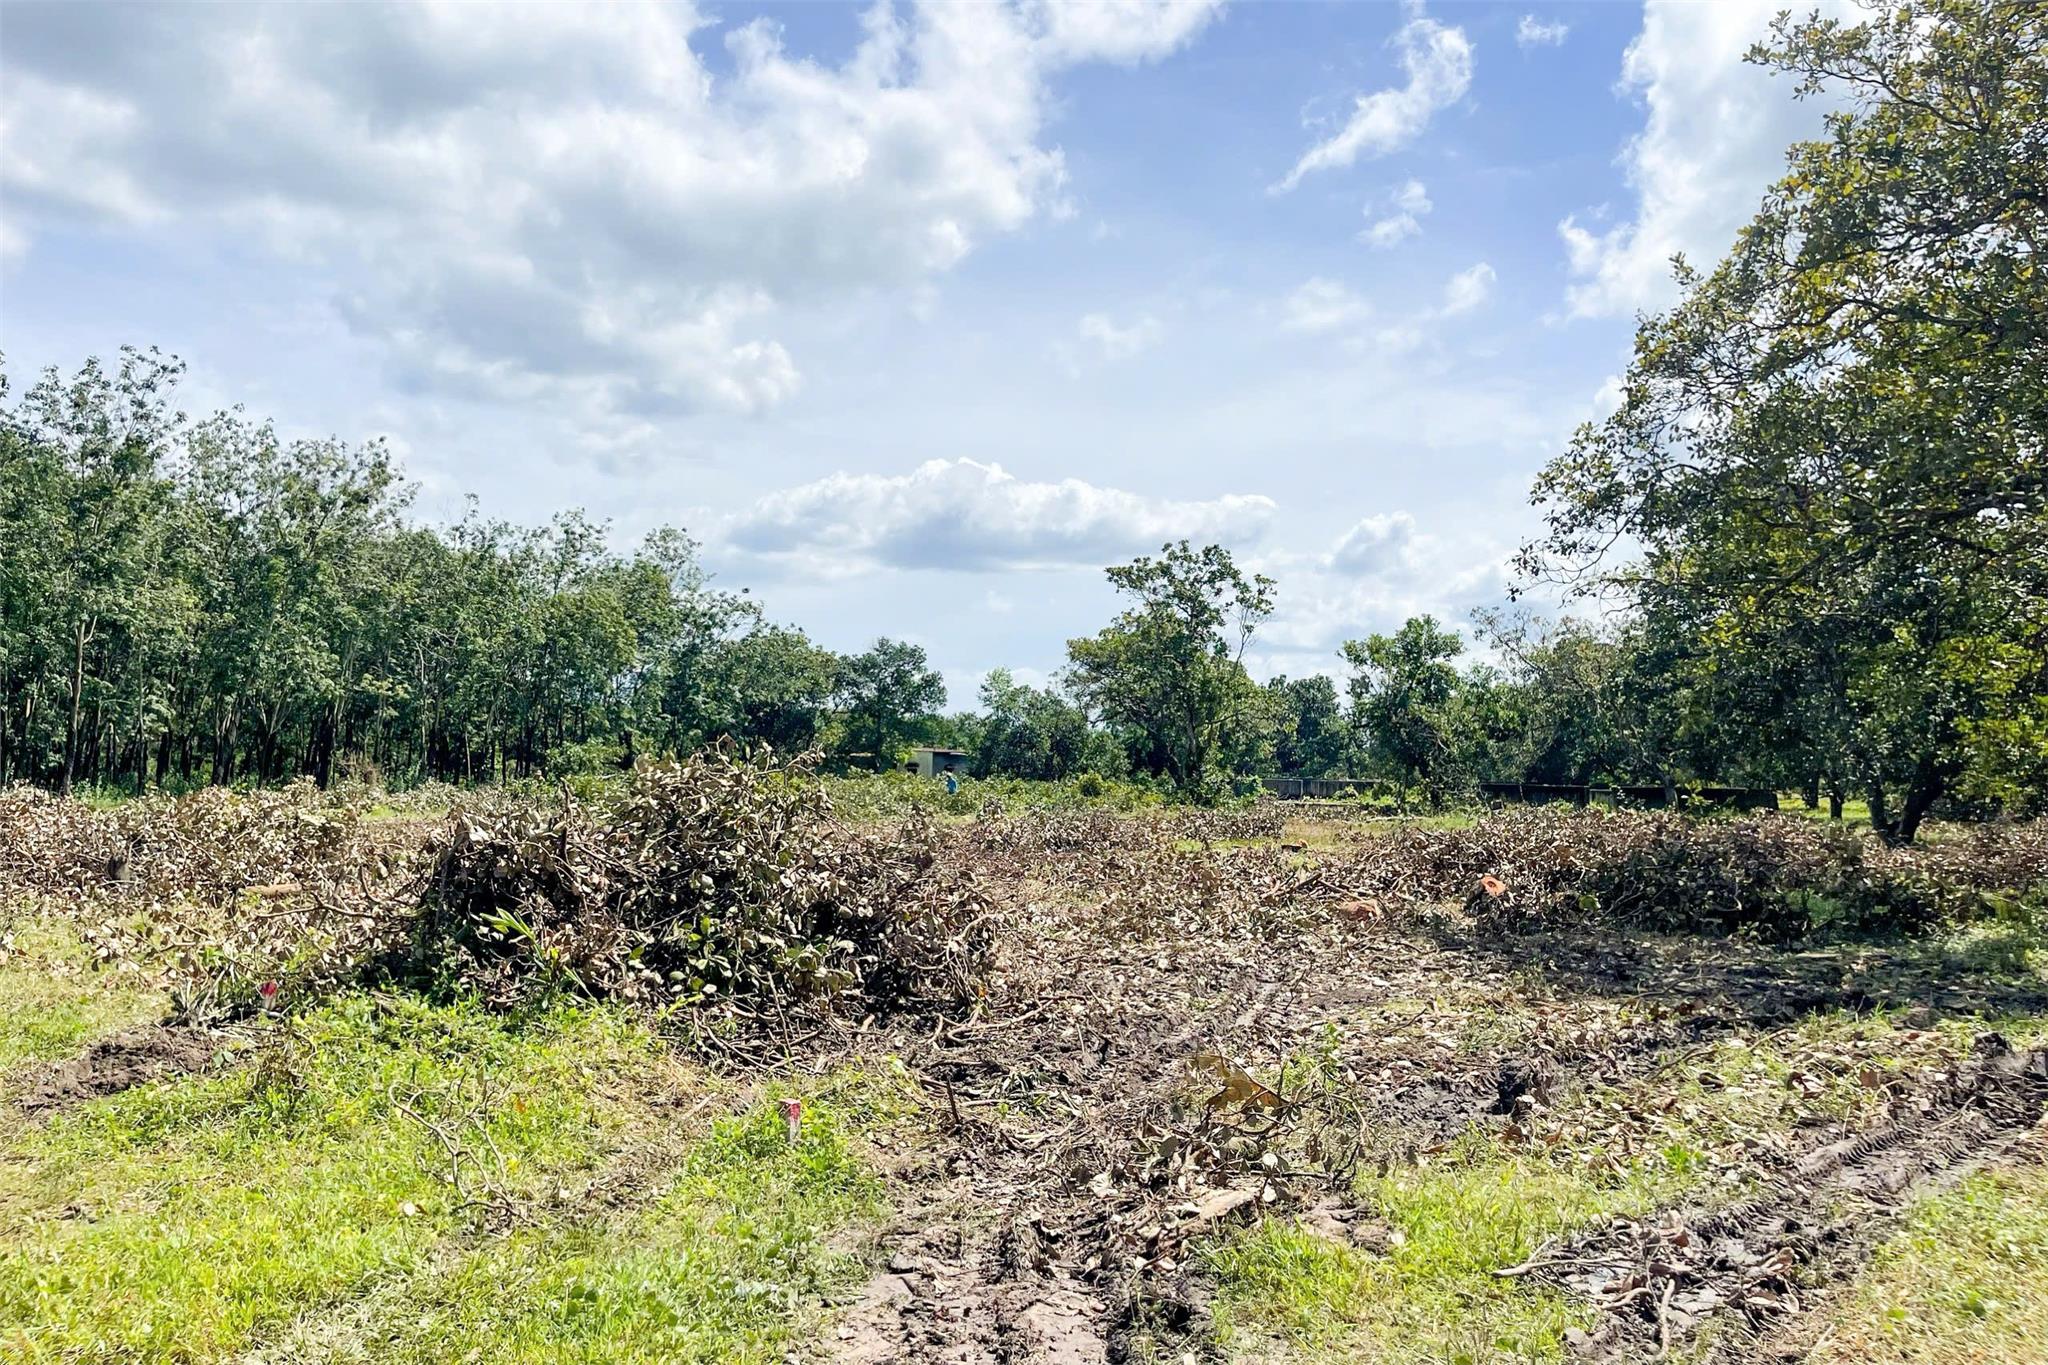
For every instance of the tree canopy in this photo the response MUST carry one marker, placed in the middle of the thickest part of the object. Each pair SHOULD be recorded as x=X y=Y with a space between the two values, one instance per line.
x=1170 y=669
x=1830 y=453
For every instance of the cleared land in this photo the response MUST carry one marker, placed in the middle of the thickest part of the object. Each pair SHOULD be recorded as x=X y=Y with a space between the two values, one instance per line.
x=1167 y=1087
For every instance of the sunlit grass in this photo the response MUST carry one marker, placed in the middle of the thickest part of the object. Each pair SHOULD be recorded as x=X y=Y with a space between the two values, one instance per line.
x=1431 y=1294
x=175 y=1221
x=54 y=1000
x=729 y=1264
x=1964 y=1282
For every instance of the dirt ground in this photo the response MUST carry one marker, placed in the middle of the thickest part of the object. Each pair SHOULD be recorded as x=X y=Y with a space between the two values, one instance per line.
x=112 y=1065
x=1186 y=1036
x=1134 y=1085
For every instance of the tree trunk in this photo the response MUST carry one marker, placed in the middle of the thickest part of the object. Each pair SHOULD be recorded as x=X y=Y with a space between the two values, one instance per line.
x=80 y=634
x=1922 y=791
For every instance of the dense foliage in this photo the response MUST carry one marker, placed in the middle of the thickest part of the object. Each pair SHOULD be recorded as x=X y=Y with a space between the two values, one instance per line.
x=184 y=602
x=1833 y=453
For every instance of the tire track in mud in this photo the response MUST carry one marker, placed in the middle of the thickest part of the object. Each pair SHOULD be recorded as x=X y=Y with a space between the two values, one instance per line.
x=1078 y=1161
x=1744 y=1278
x=1011 y=1258
x=949 y=1299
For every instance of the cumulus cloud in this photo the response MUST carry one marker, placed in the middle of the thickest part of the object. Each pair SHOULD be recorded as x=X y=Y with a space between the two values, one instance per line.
x=1126 y=31
x=1382 y=570
x=1467 y=289
x=1114 y=342
x=1323 y=305
x=1377 y=544
x=965 y=515
x=1406 y=208
x=1714 y=139
x=1534 y=32
x=1438 y=63
x=559 y=201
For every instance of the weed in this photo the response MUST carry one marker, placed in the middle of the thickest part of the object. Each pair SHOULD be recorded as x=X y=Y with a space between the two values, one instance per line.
x=173 y=1221
x=1960 y=1284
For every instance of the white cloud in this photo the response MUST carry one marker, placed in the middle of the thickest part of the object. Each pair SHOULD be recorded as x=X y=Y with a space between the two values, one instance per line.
x=1534 y=32
x=1468 y=289
x=1376 y=544
x=964 y=515
x=1323 y=305
x=1127 y=31
x=1114 y=342
x=1408 y=205
x=1715 y=138
x=1438 y=63
x=560 y=202
x=1390 y=231
x=1384 y=569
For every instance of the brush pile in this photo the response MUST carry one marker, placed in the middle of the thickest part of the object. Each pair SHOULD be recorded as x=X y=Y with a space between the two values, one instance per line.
x=1781 y=877
x=211 y=849
x=711 y=882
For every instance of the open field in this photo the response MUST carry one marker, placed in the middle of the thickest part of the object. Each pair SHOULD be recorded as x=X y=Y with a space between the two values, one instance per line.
x=286 y=1078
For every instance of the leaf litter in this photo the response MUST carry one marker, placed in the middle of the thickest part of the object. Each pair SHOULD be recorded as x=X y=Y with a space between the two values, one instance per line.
x=1136 y=1032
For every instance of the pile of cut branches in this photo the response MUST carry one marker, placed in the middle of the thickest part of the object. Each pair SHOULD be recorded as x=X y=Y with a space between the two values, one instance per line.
x=707 y=881
x=209 y=848
x=1661 y=870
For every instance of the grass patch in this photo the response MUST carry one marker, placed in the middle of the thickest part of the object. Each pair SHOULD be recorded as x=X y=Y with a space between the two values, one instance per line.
x=174 y=1221
x=1964 y=1282
x=54 y=999
x=1680 y=1132
x=728 y=1265
x=1431 y=1295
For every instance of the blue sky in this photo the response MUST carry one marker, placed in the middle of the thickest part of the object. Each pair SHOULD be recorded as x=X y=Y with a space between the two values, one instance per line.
x=915 y=317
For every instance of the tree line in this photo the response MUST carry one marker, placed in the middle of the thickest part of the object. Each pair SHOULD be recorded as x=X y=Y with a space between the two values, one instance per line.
x=186 y=602
x=1815 y=532
x=199 y=602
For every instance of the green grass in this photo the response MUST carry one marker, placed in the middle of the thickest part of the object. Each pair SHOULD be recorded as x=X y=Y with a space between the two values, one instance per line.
x=727 y=1265
x=1431 y=1296
x=1432 y=1292
x=54 y=1000
x=1964 y=1282
x=175 y=1221
x=1679 y=1132
x=1855 y=810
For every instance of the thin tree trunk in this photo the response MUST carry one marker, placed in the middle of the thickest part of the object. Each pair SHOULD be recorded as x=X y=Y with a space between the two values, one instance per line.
x=80 y=634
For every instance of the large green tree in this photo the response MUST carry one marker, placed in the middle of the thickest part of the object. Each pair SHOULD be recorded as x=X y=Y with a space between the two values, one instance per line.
x=1830 y=454
x=885 y=691
x=1032 y=732
x=1169 y=670
x=1312 y=738
x=1402 y=688
x=772 y=687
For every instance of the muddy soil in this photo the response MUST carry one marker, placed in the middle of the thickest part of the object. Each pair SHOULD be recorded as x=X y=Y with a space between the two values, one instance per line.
x=120 y=1063
x=1100 y=1114
x=1745 y=1277
x=1097 y=1116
